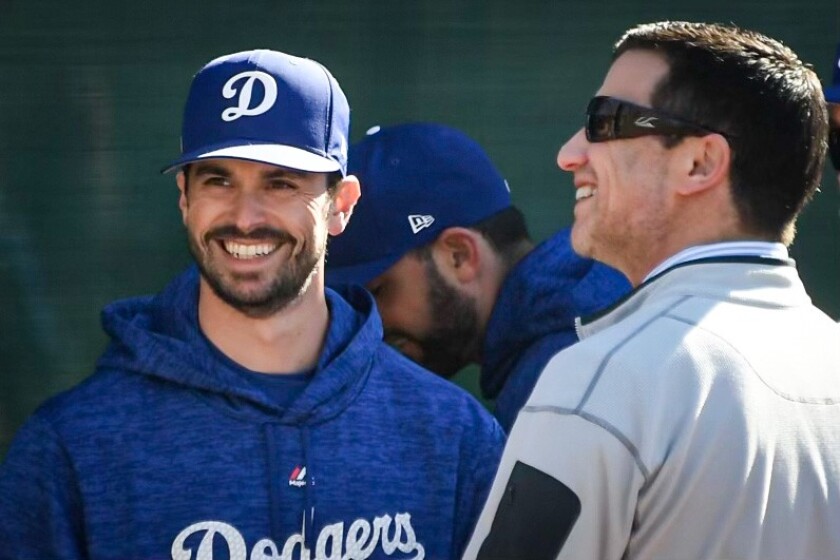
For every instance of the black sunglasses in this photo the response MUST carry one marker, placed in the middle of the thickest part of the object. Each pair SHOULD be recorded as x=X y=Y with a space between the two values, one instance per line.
x=608 y=118
x=834 y=147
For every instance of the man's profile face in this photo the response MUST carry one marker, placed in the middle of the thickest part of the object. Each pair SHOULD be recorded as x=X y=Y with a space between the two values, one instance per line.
x=621 y=212
x=257 y=232
x=424 y=316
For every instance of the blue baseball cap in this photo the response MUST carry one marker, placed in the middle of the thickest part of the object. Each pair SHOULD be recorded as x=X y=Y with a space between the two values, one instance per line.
x=269 y=107
x=832 y=92
x=417 y=180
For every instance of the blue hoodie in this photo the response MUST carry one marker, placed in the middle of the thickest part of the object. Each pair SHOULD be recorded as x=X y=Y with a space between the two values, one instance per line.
x=534 y=318
x=166 y=452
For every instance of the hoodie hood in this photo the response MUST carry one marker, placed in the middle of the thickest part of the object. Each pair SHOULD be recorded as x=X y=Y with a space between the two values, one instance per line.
x=158 y=336
x=541 y=297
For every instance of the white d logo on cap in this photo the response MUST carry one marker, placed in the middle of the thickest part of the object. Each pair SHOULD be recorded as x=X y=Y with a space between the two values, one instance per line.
x=243 y=108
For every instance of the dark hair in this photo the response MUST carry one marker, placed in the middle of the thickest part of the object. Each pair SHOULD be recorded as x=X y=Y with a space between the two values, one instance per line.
x=768 y=103
x=333 y=179
x=505 y=231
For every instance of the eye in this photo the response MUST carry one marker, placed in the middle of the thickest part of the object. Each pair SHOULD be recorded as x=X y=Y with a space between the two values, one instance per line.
x=281 y=185
x=601 y=126
x=397 y=340
x=216 y=181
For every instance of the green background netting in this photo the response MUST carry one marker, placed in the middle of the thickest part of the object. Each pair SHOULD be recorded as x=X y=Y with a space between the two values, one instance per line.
x=90 y=101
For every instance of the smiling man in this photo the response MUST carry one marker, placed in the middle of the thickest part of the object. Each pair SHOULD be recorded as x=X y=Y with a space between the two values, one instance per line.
x=696 y=419
x=246 y=412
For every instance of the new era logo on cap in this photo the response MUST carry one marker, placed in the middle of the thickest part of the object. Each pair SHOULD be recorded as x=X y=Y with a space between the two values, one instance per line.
x=420 y=222
x=433 y=176
x=269 y=107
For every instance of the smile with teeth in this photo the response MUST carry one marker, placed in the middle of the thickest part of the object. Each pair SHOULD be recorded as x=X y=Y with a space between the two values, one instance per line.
x=585 y=192
x=240 y=251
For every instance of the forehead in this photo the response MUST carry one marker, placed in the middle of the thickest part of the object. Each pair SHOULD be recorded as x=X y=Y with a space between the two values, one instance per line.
x=633 y=76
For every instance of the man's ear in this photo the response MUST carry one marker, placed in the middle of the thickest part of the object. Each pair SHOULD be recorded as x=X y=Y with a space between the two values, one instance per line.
x=458 y=255
x=181 y=181
x=706 y=164
x=344 y=199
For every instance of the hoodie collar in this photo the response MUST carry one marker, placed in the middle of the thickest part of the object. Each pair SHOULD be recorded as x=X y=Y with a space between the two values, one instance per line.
x=542 y=295
x=747 y=279
x=158 y=337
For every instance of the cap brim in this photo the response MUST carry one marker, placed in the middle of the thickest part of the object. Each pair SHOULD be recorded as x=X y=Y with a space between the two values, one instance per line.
x=359 y=273
x=832 y=94
x=272 y=154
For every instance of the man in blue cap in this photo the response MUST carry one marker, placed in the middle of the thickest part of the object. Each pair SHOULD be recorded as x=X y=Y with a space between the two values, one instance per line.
x=455 y=274
x=246 y=412
x=832 y=96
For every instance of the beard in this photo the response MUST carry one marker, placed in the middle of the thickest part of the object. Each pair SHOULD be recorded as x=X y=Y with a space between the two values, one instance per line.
x=453 y=336
x=256 y=294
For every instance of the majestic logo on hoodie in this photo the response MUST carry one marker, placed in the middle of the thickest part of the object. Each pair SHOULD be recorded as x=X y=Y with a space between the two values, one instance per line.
x=357 y=542
x=298 y=477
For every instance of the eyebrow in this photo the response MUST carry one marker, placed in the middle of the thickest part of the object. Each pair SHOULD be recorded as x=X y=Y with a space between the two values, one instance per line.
x=205 y=168
x=210 y=169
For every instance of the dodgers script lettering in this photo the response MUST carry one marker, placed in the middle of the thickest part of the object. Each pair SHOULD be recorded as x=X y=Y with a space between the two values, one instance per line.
x=358 y=542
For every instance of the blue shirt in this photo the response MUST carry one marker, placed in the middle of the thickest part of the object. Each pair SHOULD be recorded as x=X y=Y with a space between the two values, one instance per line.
x=167 y=452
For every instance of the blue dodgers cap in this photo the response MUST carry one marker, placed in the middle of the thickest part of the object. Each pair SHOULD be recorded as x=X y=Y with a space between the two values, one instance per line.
x=416 y=180
x=832 y=92
x=269 y=107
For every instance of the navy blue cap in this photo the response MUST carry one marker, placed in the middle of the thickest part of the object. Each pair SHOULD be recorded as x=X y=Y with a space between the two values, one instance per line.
x=416 y=181
x=832 y=92
x=269 y=107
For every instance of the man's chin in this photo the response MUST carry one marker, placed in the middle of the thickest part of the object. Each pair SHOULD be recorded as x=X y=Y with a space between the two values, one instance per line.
x=257 y=306
x=444 y=367
x=252 y=297
x=580 y=242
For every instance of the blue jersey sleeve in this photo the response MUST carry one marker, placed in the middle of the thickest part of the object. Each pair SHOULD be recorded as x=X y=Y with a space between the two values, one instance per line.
x=40 y=508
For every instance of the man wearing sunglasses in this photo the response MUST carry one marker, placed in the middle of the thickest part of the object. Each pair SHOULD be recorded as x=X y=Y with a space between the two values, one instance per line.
x=698 y=417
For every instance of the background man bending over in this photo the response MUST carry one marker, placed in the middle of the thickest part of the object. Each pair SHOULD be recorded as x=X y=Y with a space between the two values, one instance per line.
x=449 y=259
x=698 y=418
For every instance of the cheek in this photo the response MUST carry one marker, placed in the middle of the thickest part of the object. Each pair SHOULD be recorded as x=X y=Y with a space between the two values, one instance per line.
x=201 y=212
x=404 y=311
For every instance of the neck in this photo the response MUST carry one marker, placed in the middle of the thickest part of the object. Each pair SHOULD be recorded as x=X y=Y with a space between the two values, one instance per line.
x=289 y=341
x=498 y=269
x=705 y=218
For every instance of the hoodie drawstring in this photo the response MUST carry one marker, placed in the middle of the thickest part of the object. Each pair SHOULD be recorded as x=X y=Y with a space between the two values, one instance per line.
x=273 y=491
x=309 y=492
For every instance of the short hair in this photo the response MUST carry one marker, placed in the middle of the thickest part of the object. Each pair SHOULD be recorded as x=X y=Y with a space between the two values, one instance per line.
x=505 y=231
x=767 y=102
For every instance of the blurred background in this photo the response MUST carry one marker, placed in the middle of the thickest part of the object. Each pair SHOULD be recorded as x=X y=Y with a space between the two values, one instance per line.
x=91 y=95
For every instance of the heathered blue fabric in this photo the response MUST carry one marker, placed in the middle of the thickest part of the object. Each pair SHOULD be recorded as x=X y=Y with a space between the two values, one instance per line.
x=534 y=318
x=163 y=438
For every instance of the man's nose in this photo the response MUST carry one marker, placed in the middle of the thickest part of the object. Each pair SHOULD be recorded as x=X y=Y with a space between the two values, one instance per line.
x=572 y=154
